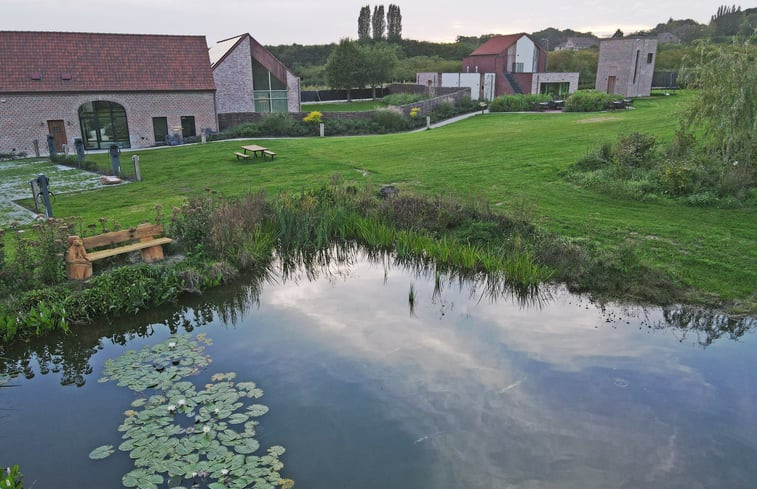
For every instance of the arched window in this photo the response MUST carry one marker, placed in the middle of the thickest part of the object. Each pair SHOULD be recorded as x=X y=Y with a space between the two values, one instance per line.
x=103 y=123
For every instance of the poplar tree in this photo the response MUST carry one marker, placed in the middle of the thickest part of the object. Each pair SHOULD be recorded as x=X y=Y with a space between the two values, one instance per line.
x=364 y=24
x=393 y=23
x=379 y=23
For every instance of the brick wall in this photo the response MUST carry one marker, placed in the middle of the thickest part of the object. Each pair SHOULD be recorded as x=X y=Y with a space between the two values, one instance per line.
x=233 y=79
x=226 y=121
x=617 y=57
x=23 y=117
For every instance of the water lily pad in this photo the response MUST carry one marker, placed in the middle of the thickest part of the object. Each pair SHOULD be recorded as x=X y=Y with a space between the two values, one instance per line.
x=257 y=410
x=101 y=452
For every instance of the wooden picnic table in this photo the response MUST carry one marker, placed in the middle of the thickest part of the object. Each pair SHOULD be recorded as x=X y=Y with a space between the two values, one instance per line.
x=254 y=149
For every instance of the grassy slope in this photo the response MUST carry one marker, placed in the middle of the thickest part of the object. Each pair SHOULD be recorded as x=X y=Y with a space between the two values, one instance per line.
x=511 y=160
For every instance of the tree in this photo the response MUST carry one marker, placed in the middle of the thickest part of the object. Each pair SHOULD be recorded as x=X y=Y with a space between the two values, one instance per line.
x=364 y=24
x=379 y=23
x=724 y=108
x=618 y=34
x=380 y=60
x=393 y=23
x=346 y=67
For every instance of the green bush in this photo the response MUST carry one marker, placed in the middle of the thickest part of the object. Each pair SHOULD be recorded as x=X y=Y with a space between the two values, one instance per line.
x=635 y=150
x=590 y=101
x=517 y=103
x=388 y=120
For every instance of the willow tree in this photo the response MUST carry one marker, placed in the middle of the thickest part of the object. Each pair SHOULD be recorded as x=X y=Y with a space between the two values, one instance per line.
x=724 y=107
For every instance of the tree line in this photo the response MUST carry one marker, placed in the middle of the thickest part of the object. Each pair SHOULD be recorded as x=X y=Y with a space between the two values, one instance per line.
x=379 y=27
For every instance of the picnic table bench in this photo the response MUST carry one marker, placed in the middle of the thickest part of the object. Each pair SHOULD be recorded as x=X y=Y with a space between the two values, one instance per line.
x=254 y=150
x=81 y=252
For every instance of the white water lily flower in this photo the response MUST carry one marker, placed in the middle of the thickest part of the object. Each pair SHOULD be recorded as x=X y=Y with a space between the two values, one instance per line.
x=217 y=411
x=171 y=408
x=224 y=471
x=206 y=429
x=172 y=344
x=182 y=402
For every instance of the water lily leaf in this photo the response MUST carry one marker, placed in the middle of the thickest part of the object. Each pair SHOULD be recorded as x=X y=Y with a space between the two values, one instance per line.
x=257 y=410
x=238 y=418
x=277 y=450
x=101 y=452
x=250 y=445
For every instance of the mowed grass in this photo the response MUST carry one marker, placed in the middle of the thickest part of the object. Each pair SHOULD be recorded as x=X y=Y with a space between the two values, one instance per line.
x=356 y=106
x=511 y=160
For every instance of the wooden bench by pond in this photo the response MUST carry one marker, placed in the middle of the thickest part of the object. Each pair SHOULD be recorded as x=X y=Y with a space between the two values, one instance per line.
x=241 y=155
x=268 y=152
x=82 y=252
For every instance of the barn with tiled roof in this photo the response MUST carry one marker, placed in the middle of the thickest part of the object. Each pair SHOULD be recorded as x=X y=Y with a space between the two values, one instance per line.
x=131 y=90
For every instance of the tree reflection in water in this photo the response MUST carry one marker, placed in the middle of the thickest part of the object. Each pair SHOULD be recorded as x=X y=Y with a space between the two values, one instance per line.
x=69 y=354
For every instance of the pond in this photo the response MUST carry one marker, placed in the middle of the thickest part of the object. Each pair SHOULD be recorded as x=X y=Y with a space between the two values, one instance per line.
x=462 y=386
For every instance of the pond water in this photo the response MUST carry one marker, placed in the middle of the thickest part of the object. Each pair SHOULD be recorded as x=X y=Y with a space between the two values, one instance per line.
x=461 y=388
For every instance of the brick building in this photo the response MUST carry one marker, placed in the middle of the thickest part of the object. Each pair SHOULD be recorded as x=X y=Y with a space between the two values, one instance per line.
x=519 y=64
x=124 y=89
x=626 y=66
x=250 y=79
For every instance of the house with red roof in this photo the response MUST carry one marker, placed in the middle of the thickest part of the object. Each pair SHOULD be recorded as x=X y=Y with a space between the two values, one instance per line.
x=131 y=90
x=519 y=64
x=505 y=65
x=250 y=80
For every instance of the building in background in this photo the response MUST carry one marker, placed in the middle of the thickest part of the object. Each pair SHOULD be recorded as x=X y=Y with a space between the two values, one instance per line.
x=505 y=65
x=130 y=90
x=626 y=66
x=577 y=43
x=249 y=79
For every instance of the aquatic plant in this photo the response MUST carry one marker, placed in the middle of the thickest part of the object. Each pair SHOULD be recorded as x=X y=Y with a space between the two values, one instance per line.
x=179 y=434
x=10 y=478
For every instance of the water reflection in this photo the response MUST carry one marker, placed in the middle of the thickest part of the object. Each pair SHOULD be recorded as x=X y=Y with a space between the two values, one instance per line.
x=68 y=355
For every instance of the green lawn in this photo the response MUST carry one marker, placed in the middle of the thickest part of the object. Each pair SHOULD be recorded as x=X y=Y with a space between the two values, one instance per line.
x=511 y=160
x=358 y=106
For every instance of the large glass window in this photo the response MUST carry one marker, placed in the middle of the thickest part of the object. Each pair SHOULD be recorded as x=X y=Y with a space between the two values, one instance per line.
x=160 y=129
x=103 y=123
x=269 y=92
x=559 y=89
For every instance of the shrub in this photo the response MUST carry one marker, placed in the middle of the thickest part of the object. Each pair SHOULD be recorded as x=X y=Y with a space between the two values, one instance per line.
x=276 y=124
x=635 y=150
x=589 y=101
x=388 y=120
x=313 y=117
x=445 y=110
x=516 y=103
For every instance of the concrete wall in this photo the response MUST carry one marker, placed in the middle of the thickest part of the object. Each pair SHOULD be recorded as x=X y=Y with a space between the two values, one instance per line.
x=233 y=79
x=617 y=57
x=539 y=78
x=23 y=117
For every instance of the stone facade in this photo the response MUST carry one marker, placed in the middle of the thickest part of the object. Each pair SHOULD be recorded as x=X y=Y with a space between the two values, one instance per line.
x=232 y=62
x=626 y=66
x=233 y=91
x=539 y=78
x=23 y=117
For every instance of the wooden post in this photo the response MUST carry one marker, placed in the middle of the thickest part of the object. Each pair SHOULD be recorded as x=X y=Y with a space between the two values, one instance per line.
x=322 y=128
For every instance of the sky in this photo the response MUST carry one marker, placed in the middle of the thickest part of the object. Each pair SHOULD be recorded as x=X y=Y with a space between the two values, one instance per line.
x=274 y=22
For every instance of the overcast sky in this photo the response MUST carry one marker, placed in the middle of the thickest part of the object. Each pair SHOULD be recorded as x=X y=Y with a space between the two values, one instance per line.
x=325 y=21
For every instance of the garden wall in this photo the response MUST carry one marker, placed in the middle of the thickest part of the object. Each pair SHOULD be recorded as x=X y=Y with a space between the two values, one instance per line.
x=226 y=121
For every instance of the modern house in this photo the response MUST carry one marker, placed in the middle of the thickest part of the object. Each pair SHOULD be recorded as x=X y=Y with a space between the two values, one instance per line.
x=130 y=90
x=505 y=65
x=249 y=79
x=577 y=43
x=626 y=66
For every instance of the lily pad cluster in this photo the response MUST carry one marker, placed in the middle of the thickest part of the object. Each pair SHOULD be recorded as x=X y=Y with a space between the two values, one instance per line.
x=187 y=437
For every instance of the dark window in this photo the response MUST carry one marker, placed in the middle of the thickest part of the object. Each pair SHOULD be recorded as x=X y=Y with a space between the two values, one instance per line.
x=160 y=129
x=188 y=126
x=636 y=67
x=649 y=57
x=555 y=89
x=103 y=123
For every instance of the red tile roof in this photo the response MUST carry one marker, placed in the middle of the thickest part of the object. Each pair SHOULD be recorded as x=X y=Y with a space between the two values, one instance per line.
x=87 y=62
x=497 y=44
